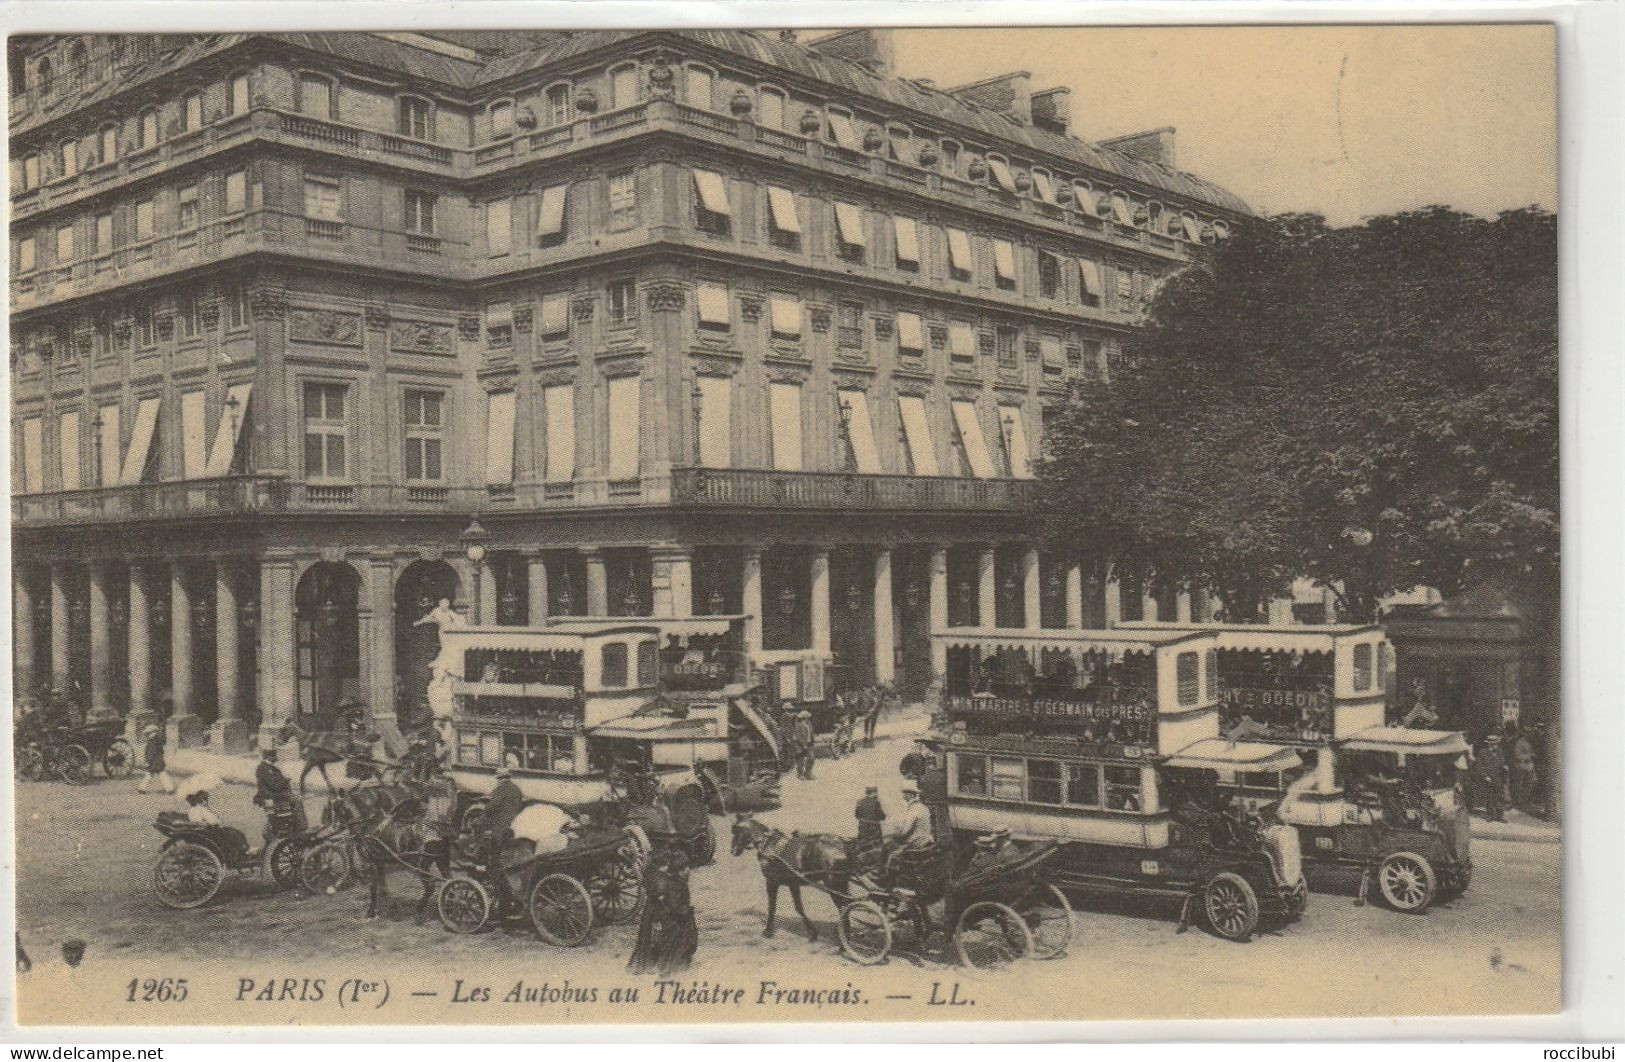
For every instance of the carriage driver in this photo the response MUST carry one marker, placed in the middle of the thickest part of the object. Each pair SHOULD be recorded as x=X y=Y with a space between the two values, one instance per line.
x=913 y=836
x=274 y=793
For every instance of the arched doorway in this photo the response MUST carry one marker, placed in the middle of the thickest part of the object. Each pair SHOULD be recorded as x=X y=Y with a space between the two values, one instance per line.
x=418 y=591
x=327 y=637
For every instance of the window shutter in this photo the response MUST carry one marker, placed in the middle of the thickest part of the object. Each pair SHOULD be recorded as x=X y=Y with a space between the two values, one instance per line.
x=194 y=443
x=625 y=434
x=713 y=300
x=1015 y=439
x=959 y=250
x=499 y=226
x=555 y=314
x=713 y=192
x=1089 y=275
x=1001 y=174
x=68 y=447
x=135 y=460
x=227 y=433
x=785 y=401
x=559 y=403
x=786 y=316
x=917 y=433
x=782 y=203
x=1004 y=259
x=860 y=431
x=849 y=219
x=551 y=222
x=716 y=421
x=970 y=433
x=910 y=336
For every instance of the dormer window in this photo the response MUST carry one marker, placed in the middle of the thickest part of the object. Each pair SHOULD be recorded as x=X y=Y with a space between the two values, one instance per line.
x=841 y=132
x=697 y=87
x=623 y=86
x=415 y=118
x=44 y=77
x=108 y=141
x=237 y=94
x=897 y=142
x=558 y=105
x=950 y=158
x=70 y=158
x=191 y=112
x=147 y=135
x=770 y=108
x=501 y=118
x=1156 y=218
x=1192 y=228
x=316 y=96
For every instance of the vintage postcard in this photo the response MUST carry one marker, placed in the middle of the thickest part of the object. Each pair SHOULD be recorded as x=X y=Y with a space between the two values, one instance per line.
x=738 y=525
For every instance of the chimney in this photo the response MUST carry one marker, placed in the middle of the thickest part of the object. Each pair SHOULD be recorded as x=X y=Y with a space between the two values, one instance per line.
x=1008 y=94
x=869 y=48
x=1052 y=109
x=1153 y=145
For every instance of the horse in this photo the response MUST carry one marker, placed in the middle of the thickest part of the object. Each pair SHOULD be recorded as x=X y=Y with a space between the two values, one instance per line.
x=818 y=859
x=403 y=837
x=332 y=741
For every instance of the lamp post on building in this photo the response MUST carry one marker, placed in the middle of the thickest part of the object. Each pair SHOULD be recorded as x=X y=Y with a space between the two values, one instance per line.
x=234 y=410
x=475 y=539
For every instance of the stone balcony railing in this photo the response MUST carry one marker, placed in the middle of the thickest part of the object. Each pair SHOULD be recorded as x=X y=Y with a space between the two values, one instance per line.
x=727 y=488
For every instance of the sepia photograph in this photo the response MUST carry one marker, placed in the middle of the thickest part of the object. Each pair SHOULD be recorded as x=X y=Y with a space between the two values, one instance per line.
x=593 y=526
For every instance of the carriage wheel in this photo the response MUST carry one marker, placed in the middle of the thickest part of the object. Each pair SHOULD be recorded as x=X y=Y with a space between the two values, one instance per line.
x=31 y=762
x=187 y=875
x=561 y=910
x=865 y=932
x=1231 y=906
x=616 y=888
x=463 y=903
x=1049 y=918
x=284 y=858
x=73 y=764
x=119 y=759
x=325 y=869
x=702 y=850
x=991 y=936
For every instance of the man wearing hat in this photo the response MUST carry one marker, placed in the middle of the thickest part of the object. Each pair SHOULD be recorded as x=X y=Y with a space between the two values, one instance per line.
x=274 y=794
x=804 y=744
x=913 y=832
x=871 y=826
x=1489 y=778
x=157 y=767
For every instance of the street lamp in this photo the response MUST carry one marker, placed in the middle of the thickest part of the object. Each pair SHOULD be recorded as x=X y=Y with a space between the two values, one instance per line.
x=234 y=406
x=475 y=538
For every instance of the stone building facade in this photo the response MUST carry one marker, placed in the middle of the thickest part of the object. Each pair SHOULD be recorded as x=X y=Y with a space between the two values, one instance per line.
x=702 y=322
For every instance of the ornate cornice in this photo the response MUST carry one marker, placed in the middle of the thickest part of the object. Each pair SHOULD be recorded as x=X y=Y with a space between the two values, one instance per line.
x=268 y=304
x=468 y=328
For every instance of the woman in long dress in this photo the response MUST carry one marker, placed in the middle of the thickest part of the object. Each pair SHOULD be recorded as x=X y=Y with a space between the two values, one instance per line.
x=667 y=936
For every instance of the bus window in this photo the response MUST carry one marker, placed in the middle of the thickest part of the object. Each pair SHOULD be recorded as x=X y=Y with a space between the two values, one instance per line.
x=1362 y=666
x=971 y=779
x=1009 y=779
x=1122 y=789
x=1186 y=672
x=1044 y=781
x=615 y=665
x=1083 y=785
x=648 y=663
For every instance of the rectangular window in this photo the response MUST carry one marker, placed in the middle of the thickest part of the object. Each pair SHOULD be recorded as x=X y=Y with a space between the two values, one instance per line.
x=70 y=158
x=26 y=260
x=414 y=118
x=558 y=105
x=424 y=417
x=1125 y=287
x=186 y=212
x=316 y=97
x=625 y=427
x=785 y=408
x=109 y=442
x=145 y=333
x=1044 y=781
x=1123 y=789
x=138 y=458
x=501 y=117
x=716 y=421
x=149 y=128
x=34 y=455
x=623 y=87
x=908 y=244
x=1083 y=785
x=922 y=451
x=697 y=87
x=1009 y=781
x=418 y=212
x=499 y=227
x=64 y=245
x=499 y=324
x=186 y=315
x=499 y=437
x=614 y=665
x=68 y=445
x=236 y=308
x=785 y=218
x=194 y=434
x=1362 y=667
x=1006 y=341
x=970 y=435
x=1050 y=354
x=910 y=333
x=109 y=144
x=772 y=109
x=322 y=198
x=1004 y=264
x=327 y=431
x=849 y=325
x=711 y=210
x=961 y=342
x=860 y=433
x=623 y=302
x=237 y=98
x=623 y=201
x=713 y=306
x=961 y=266
x=1014 y=430
x=1049 y=275
x=550 y=223
x=1187 y=677
x=555 y=315
x=785 y=316
x=236 y=191
x=192 y=116
x=970 y=775
x=559 y=405
x=851 y=239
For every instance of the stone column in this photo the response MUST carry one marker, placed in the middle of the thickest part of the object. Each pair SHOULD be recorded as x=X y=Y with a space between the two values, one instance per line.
x=1148 y=606
x=140 y=650
x=230 y=733
x=381 y=693
x=682 y=584
x=885 y=634
x=1182 y=606
x=987 y=589
x=818 y=602
x=1032 y=604
x=750 y=603
x=1113 y=593
x=277 y=700
x=61 y=627
x=1201 y=605
x=597 y=584
x=22 y=632
x=938 y=606
x=1074 y=596
x=536 y=573
x=487 y=575
x=101 y=644
x=184 y=729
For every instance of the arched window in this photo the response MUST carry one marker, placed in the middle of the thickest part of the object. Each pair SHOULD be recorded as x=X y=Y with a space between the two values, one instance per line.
x=44 y=77
x=147 y=136
x=1122 y=209
x=698 y=85
x=623 y=86
x=558 y=104
x=500 y=115
x=191 y=112
x=415 y=118
x=316 y=96
x=771 y=108
x=107 y=140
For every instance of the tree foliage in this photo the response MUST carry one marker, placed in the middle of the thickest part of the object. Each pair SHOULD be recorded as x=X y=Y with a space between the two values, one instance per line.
x=1374 y=407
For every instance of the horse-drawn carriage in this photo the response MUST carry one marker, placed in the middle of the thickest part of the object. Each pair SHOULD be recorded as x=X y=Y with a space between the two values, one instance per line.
x=71 y=752
x=196 y=858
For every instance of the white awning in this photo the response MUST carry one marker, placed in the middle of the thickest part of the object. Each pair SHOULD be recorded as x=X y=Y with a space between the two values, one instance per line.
x=233 y=416
x=34 y=455
x=786 y=315
x=1217 y=754
x=713 y=192
x=111 y=445
x=849 y=219
x=757 y=723
x=860 y=431
x=1114 y=642
x=1001 y=174
x=1044 y=187
x=559 y=402
x=1015 y=435
x=1122 y=210
x=781 y=202
x=917 y=432
x=68 y=447
x=959 y=250
x=555 y=314
x=135 y=460
x=910 y=334
x=625 y=426
x=785 y=408
x=908 y=240
x=1004 y=259
x=961 y=340
x=1404 y=740
x=970 y=433
x=845 y=135
x=1089 y=275
x=194 y=435
x=713 y=299
x=499 y=433
x=551 y=219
